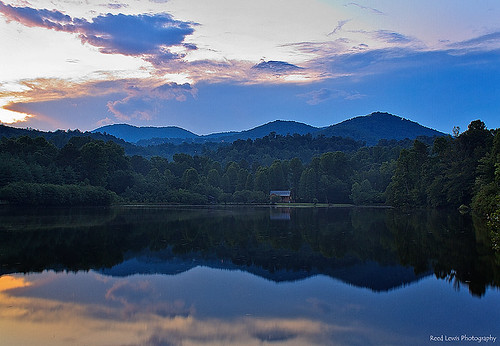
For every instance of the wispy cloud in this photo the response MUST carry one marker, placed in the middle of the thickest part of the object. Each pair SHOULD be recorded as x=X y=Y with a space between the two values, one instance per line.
x=371 y=9
x=391 y=36
x=483 y=41
x=339 y=26
x=144 y=103
x=324 y=94
x=116 y=6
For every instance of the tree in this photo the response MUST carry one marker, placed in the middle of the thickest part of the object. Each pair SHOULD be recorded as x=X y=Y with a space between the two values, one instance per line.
x=213 y=178
x=407 y=187
x=364 y=193
x=230 y=177
x=276 y=175
x=261 y=180
x=190 y=178
x=93 y=163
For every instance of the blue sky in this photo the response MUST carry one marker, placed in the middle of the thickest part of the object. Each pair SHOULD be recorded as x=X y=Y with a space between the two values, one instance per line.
x=232 y=65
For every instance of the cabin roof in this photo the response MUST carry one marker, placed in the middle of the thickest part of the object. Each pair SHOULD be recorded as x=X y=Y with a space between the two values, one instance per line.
x=280 y=193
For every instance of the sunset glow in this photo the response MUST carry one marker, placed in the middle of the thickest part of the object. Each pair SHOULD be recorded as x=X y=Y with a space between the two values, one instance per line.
x=403 y=58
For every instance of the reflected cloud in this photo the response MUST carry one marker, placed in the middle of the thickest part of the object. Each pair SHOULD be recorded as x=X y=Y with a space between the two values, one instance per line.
x=8 y=282
x=142 y=297
x=136 y=311
x=56 y=323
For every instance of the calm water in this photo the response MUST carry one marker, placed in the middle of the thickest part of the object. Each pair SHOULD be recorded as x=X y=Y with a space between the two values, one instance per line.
x=172 y=276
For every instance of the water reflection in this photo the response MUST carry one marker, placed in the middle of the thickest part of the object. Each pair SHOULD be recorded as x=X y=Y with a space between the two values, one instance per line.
x=212 y=306
x=374 y=248
x=140 y=311
x=238 y=276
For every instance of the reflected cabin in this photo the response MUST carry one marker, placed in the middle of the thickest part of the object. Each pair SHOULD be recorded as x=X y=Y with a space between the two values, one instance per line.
x=284 y=196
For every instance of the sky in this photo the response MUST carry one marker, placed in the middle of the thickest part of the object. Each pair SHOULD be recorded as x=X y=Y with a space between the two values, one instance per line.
x=224 y=65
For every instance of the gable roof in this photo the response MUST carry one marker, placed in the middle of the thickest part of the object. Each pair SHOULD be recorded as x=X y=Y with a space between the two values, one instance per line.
x=280 y=193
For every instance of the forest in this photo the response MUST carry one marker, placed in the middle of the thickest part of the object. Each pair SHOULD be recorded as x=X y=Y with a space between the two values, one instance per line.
x=443 y=172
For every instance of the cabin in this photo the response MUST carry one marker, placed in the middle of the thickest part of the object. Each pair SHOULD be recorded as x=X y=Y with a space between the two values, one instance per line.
x=285 y=196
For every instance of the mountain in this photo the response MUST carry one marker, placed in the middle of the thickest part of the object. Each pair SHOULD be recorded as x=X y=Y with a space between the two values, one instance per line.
x=133 y=134
x=145 y=136
x=376 y=126
x=280 y=127
x=365 y=274
x=370 y=129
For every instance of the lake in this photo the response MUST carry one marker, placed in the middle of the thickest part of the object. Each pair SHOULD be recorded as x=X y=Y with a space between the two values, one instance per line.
x=246 y=276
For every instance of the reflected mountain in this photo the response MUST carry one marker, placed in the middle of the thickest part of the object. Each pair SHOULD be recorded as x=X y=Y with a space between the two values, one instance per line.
x=379 y=249
x=361 y=274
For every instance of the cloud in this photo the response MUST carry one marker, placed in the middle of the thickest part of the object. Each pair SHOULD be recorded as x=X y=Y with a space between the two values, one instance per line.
x=169 y=91
x=324 y=94
x=391 y=37
x=318 y=48
x=116 y=6
x=371 y=9
x=136 y=35
x=54 y=103
x=145 y=104
x=387 y=37
x=35 y=18
x=484 y=41
x=276 y=67
x=361 y=62
x=103 y=122
x=133 y=35
x=339 y=26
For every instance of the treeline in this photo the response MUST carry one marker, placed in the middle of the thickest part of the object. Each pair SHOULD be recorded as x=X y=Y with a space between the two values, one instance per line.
x=262 y=151
x=455 y=172
x=35 y=171
x=445 y=172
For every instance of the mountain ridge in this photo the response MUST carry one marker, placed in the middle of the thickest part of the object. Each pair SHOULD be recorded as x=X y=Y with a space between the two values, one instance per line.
x=368 y=128
x=379 y=125
x=133 y=134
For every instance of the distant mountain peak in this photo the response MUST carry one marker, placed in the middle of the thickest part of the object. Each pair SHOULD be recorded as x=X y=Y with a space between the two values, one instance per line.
x=379 y=125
